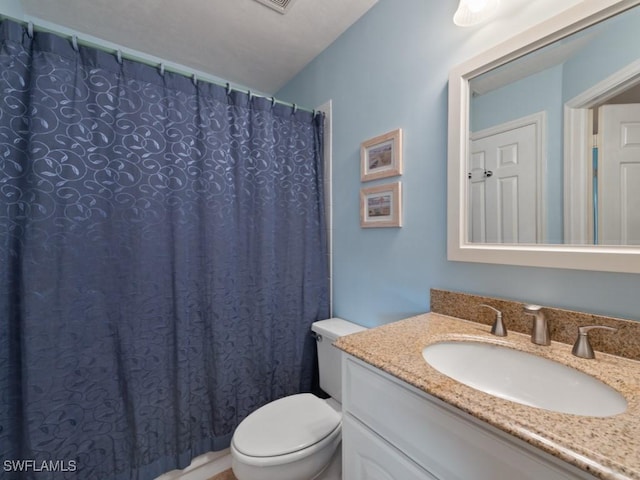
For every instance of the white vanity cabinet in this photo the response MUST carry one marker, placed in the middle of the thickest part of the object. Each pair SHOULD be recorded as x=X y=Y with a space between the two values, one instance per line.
x=393 y=431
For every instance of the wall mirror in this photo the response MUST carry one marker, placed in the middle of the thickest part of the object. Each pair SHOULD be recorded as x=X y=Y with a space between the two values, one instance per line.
x=544 y=145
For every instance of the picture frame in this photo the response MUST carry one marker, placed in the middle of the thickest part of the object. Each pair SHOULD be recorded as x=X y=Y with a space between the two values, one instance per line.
x=381 y=156
x=381 y=206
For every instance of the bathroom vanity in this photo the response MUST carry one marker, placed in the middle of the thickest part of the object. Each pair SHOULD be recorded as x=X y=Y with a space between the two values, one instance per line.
x=405 y=420
x=393 y=428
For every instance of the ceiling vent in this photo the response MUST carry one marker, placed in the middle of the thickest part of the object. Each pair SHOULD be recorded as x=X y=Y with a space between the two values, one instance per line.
x=280 y=6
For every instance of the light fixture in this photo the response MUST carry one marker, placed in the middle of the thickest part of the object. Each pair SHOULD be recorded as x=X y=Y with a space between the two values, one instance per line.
x=472 y=12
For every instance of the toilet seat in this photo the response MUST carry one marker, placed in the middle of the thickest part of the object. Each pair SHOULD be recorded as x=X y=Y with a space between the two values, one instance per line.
x=287 y=427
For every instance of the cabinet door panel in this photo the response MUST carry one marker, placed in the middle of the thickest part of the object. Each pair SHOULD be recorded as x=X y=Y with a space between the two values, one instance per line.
x=367 y=457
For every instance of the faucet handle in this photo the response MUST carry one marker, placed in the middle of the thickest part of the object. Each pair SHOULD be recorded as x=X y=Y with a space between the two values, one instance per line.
x=498 y=328
x=582 y=348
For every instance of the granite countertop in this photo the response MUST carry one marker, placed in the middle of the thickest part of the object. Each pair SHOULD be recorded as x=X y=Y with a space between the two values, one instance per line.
x=608 y=448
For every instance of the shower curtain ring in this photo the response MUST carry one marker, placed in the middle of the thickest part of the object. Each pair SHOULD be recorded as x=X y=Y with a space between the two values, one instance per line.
x=195 y=79
x=228 y=88
x=74 y=43
x=162 y=69
x=273 y=102
x=295 y=108
x=119 y=56
x=30 y=29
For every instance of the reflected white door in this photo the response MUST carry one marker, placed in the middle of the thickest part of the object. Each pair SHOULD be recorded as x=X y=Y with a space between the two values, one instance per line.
x=619 y=174
x=504 y=203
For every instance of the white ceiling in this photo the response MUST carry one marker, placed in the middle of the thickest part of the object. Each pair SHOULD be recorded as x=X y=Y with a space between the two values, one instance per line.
x=241 y=41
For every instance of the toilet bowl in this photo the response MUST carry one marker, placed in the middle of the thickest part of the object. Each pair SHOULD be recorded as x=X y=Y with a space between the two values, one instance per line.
x=297 y=437
x=292 y=438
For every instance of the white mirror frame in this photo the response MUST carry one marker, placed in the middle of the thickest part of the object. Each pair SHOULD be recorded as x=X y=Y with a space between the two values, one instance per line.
x=623 y=259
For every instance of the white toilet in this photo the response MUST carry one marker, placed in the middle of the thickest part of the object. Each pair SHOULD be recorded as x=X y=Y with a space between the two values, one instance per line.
x=297 y=437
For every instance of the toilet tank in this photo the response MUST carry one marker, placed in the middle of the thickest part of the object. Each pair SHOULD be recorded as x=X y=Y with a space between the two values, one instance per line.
x=329 y=357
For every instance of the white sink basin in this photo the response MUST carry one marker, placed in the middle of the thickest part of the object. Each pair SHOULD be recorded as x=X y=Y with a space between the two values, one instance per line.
x=524 y=378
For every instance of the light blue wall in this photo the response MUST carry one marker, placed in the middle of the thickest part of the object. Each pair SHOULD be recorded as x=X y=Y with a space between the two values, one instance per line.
x=387 y=71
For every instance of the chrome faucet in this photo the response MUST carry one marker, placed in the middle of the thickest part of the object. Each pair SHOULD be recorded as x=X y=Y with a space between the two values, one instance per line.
x=540 y=331
x=498 y=328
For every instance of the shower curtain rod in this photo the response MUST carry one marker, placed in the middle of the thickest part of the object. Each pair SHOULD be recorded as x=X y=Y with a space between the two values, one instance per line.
x=137 y=57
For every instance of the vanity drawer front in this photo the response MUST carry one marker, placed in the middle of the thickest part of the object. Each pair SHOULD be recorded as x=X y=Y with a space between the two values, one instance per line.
x=445 y=442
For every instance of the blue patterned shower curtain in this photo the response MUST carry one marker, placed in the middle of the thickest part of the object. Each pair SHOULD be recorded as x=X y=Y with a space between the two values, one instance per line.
x=162 y=256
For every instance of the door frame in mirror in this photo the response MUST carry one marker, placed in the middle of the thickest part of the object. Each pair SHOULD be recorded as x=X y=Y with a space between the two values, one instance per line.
x=624 y=259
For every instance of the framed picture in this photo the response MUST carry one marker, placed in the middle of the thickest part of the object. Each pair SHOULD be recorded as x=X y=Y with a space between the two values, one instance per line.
x=381 y=206
x=381 y=156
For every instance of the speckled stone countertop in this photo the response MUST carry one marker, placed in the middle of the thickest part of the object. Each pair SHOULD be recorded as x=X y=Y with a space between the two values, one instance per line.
x=608 y=448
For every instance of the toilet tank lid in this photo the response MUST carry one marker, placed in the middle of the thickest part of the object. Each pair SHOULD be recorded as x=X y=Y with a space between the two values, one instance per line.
x=336 y=327
x=284 y=426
